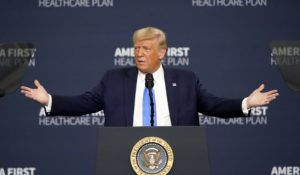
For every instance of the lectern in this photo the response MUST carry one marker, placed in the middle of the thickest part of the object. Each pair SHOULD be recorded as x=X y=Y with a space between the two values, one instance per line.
x=116 y=145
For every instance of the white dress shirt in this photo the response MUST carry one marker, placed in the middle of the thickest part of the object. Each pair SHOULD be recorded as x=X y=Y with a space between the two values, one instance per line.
x=161 y=100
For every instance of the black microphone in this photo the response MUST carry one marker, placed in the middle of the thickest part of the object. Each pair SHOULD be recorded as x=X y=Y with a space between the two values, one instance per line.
x=149 y=83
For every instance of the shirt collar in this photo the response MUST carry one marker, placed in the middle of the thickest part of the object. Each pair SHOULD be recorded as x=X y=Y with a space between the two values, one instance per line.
x=157 y=75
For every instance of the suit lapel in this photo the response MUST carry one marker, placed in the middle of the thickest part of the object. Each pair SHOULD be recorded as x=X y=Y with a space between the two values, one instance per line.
x=172 y=95
x=129 y=94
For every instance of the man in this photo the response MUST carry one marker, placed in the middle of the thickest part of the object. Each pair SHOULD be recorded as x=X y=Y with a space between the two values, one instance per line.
x=178 y=94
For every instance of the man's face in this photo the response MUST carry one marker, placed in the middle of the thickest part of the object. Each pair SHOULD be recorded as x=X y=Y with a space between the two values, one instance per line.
x=148 y=55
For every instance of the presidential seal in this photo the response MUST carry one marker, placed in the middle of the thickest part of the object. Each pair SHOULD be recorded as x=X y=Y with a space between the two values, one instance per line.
x=152 y=156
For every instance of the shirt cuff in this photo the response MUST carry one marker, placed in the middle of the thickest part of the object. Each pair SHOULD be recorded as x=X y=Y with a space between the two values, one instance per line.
x=244 y=107
x=49 y=106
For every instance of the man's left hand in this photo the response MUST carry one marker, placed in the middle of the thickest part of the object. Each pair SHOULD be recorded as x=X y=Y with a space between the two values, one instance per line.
x=259 y=98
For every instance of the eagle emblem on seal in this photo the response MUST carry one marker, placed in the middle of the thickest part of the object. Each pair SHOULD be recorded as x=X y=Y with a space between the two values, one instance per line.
x=152 y=158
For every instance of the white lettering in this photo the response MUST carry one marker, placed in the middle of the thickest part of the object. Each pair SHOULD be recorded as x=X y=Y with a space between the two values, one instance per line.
x=2 y=53
x=96 y=118
x=31 y=62
x=171 y=61
x=19 y=52
x=21 y=171
x=285 y=60
x=273 y=61
x=257 y=120
x=259 y=111
x=124 y=52
x=179 y=52
x=2 y=172
x=175 y=56
x=42 y=112
x=210 y=120
x=229 y=3
x=103 y=3
x=286 y=170
x=124 y=61
x=286 y=51
x=75 y=3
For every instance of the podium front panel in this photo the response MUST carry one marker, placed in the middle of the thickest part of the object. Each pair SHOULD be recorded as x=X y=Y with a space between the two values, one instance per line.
x=188 y=144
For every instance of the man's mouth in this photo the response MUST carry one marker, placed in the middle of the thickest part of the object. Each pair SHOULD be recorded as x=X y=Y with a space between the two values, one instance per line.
x=140 y=61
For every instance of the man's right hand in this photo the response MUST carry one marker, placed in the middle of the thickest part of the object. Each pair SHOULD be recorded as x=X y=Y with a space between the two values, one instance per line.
x=39 y=94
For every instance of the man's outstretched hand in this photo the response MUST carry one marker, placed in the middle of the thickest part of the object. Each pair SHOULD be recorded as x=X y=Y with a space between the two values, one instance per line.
x=39 y=94
x=259 y=98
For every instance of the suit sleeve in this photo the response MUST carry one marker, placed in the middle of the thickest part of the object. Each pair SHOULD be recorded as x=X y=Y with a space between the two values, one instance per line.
x=212 y=105
x=89 y=102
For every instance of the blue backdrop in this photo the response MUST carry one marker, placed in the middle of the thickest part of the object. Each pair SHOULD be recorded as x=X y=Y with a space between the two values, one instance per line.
x=227 y=44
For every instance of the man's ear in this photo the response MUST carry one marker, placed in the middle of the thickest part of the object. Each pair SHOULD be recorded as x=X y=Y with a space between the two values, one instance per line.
x=162 y=53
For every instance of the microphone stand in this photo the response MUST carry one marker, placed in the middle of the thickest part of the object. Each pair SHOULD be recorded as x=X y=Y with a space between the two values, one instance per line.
x=152 y=107
x=149 y=85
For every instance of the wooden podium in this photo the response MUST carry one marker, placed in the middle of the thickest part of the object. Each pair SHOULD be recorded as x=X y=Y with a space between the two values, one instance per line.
x=188 y=144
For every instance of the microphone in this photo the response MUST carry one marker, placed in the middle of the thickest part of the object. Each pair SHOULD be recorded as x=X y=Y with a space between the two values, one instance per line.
x=149 y=83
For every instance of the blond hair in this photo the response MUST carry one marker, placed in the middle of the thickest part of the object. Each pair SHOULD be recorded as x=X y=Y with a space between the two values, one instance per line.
x=149 y=33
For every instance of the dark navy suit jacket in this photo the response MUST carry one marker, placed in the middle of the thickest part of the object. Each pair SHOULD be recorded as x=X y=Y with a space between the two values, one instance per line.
x=115 y=94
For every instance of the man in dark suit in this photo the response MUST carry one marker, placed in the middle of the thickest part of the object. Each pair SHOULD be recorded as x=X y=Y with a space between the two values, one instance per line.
x=179 y=95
